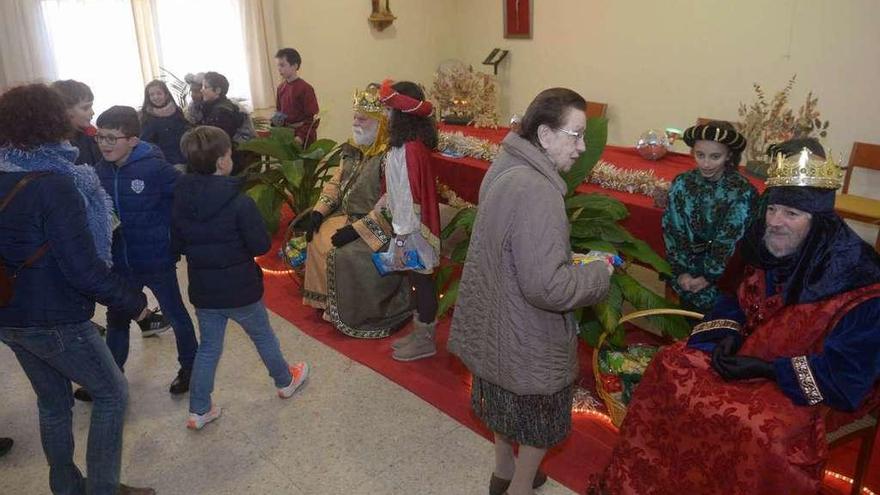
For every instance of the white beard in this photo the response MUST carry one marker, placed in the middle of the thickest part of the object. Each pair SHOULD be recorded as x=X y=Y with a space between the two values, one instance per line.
x=364 y=137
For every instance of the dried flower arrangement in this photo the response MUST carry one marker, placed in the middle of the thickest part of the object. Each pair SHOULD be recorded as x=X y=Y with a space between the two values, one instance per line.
x=465 y=95
x=765 y=122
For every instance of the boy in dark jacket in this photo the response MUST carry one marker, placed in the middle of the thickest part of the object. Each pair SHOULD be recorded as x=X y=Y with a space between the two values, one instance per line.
x=141 y=184
x=220 y=231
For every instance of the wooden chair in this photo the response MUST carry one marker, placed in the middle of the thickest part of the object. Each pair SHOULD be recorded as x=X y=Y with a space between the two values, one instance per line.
x=865 y=429
x=595 y=109
x=856 y=207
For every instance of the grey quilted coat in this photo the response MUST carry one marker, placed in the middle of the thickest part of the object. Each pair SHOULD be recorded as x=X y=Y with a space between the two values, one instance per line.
x=512 y=324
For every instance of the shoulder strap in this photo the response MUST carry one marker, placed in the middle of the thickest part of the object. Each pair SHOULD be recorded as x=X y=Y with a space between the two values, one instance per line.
x=24 y=181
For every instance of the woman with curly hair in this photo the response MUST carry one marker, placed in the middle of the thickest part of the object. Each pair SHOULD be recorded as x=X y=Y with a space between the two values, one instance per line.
x=55 y=230
x=162 y=121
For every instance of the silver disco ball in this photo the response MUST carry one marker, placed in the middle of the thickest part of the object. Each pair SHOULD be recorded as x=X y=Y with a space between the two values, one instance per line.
x=653 y=144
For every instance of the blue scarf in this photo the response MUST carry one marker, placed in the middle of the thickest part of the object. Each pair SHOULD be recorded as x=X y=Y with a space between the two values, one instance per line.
x=59 y=158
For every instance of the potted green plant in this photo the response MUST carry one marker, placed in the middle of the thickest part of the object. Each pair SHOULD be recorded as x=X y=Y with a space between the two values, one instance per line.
x=286 y=173
x=594 y=225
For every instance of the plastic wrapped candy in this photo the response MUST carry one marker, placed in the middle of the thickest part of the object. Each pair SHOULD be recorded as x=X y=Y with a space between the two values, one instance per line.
x=295 y=251
x=385 y=262
x=583 y=259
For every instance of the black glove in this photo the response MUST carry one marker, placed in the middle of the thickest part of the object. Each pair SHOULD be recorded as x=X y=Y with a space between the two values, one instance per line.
x=742 y=367
x=727 y=346
x=313 y=221
x=344 y=235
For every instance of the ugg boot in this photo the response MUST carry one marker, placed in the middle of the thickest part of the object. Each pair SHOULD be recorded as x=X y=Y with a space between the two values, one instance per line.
x=420 y=344
x=402 y=341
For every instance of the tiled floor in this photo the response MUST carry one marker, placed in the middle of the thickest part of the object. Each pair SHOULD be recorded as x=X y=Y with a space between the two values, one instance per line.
x=349 y=431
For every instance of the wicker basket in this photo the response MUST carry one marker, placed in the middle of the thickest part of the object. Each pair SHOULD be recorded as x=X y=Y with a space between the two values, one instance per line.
x=616 y=408
x=296 y=273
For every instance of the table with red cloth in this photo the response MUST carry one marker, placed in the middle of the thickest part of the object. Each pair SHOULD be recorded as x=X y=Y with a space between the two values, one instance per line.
x=464 y=175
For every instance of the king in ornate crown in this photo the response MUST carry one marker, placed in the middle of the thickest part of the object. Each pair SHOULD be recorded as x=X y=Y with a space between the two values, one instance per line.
x=805 y=169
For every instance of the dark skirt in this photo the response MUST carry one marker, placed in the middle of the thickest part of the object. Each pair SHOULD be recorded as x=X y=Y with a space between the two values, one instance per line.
x=540 y=421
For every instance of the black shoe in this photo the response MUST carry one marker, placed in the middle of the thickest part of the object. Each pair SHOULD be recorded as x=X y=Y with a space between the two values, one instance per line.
x=498 y=486
x=82 y=394
x=133 y=490
x=154 y=324
x=180 y=385
x=5 y=446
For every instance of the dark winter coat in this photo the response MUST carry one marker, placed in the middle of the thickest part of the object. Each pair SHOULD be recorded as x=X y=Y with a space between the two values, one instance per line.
x=165 y=132
x=220 y=231
x=63 y=285
x=142 y=191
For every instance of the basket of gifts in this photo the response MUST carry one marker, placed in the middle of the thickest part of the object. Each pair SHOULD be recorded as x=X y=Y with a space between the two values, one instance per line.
x=294 y=247
x=618 y=371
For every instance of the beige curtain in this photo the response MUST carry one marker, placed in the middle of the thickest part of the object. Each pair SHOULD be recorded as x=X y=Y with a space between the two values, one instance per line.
x=144 y=28
x=260 y=45
x=25 y=46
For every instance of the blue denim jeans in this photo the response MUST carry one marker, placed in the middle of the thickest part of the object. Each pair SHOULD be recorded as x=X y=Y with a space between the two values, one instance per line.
x=167 y=291
x=52 y=357
x=212 y=326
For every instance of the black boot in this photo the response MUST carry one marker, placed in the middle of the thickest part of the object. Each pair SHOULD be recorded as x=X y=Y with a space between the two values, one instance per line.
x=180 y=385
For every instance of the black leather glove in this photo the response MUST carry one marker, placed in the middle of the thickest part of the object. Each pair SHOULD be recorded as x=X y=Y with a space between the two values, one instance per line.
x=727 y=346
x=312 y=224
x=344 y=235
x=742 y=367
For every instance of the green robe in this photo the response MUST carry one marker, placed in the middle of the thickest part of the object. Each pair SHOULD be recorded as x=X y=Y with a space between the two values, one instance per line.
x=701 y=225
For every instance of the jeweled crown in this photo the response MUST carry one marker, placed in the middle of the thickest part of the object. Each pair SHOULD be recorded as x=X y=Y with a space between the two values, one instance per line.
x=367 y=100
x=804 y=169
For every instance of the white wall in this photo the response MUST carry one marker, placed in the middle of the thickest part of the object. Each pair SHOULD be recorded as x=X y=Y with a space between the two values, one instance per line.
x=341 y=52
x=656 y=64
x=662 y=64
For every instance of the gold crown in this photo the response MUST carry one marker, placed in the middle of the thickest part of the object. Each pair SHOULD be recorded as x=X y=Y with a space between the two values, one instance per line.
x=367 y=100
x=805 y=169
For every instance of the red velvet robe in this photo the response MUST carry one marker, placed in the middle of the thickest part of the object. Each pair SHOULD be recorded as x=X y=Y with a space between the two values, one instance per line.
x=687 y=431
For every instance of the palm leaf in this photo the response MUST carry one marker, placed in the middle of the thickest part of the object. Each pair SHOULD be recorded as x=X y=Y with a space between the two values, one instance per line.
x=642 y=298
x=449 y=298
x=642 y=252
x=599 y=204
x=464 y=219
x=595 y=137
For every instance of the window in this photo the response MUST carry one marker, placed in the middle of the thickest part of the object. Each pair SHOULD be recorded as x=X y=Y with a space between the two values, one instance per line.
x=95 y=41
x=201 y=36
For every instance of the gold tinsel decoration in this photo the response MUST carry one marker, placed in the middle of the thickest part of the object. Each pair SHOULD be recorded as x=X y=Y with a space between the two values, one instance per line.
x=452 y=199
x=610 y=176
x=457 y=144
x=604 y=174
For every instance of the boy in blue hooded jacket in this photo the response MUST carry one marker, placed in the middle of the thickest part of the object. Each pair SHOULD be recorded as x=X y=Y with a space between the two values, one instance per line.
x=141 y=183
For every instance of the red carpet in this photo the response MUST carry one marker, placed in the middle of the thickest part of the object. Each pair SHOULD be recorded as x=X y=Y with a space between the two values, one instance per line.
x=444 y=382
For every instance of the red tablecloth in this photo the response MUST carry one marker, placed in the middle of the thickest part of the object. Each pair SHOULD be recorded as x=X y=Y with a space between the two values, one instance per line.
x=464 y=176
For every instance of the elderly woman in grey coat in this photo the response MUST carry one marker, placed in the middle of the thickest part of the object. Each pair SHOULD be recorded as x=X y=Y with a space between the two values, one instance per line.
x=513 y=325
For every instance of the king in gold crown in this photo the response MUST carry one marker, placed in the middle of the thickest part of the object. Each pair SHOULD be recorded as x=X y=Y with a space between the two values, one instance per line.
x=805 y=169
x=367 y=100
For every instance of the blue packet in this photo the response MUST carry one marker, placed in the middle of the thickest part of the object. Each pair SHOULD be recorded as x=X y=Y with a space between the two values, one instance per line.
x=385 y=262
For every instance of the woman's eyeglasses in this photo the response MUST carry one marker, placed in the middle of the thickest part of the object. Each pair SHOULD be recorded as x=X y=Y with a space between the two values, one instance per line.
x=579 y=136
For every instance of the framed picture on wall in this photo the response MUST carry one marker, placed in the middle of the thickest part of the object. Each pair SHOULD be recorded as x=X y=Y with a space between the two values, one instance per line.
x=517 y=18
